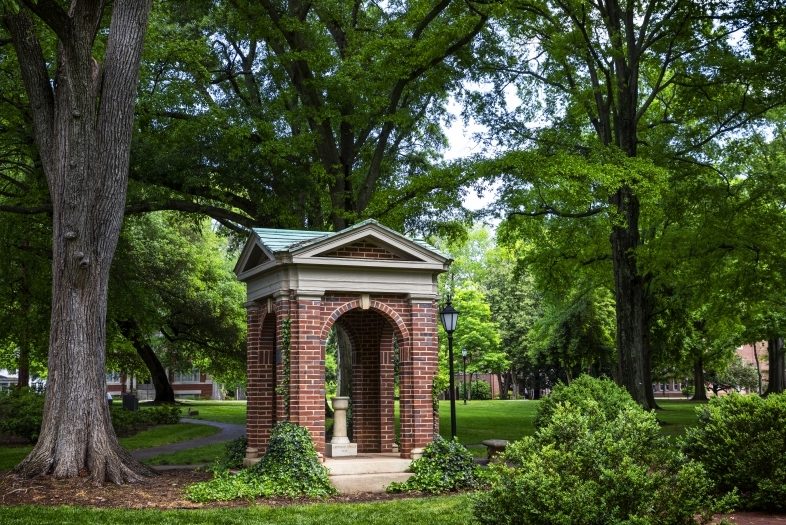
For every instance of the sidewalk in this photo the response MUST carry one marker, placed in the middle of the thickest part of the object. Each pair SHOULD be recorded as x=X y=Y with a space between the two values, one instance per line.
x=228 y=433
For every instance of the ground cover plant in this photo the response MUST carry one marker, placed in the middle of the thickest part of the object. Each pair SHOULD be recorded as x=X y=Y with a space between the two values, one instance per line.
x=445 y=466
x=741 y=441
x=289 y=468
x=596 y=458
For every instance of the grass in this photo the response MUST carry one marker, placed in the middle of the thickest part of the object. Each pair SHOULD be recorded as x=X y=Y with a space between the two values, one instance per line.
x=480 y=420
x=194 y=456
x=233 y=412
x=10 y=456
x=166 y=434
x=446 y=510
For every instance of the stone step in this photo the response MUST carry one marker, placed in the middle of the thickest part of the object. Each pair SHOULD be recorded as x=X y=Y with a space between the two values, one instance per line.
x=367 y=482
x=377 y=464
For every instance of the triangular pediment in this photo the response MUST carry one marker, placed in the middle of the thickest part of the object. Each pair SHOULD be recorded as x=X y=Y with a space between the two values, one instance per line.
x=367 y=243
x=254 y=254
x=367 y=248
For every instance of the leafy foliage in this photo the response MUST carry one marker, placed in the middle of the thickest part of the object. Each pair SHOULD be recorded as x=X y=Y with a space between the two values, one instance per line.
x=283 y=387
x=585 y=393
x=741 y=441
x=289 y=468
x=234 y=453
x=480 y=390
x=595 y=463
x=21 y=413
x=127 y=423
x=445 y=466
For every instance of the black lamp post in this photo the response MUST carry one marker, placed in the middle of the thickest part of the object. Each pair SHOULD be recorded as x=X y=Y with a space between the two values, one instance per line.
x=449 y=317
x=464 y=356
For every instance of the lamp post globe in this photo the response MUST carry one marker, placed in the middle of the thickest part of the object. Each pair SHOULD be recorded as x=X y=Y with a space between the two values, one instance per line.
x=449 y=317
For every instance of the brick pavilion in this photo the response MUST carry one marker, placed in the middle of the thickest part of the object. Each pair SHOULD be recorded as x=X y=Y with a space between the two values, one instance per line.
x=375 y=283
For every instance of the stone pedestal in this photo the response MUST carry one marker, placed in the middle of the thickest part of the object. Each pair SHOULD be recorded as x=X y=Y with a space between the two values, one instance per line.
x=340 y=445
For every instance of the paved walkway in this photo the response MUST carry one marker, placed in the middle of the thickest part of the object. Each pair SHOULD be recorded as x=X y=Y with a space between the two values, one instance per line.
x=228 y=433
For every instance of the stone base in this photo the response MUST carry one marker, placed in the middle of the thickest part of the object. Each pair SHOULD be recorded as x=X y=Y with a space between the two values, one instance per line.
x=336 y=450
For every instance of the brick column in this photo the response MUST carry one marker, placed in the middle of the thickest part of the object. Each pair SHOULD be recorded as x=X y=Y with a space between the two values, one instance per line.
x=307 y=369
x=253 y=390
x=416 y=375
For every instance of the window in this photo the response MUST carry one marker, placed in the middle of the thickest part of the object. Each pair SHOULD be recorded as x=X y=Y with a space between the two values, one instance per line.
x=113 y=377
x=191 y=376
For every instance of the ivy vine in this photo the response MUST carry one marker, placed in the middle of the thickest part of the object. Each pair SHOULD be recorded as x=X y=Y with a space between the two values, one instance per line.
x=283 y=388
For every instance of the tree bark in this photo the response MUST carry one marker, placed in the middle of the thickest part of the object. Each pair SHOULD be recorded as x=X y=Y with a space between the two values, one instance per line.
x=700 y=393
x=777 y=379
x=83 y=125
x=647 y=365
x=629 y=297
x=758 y=368
x=164 y=392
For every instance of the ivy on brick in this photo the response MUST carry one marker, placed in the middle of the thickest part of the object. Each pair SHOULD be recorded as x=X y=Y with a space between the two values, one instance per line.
x=283 y=388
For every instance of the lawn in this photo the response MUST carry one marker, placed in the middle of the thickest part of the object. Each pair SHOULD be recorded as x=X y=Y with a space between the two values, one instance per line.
x=194 y=456
x=233 y=412
x=153 y=437
x=448 y=510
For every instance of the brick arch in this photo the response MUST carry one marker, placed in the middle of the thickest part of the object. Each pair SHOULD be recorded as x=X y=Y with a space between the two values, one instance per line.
x=400 y=329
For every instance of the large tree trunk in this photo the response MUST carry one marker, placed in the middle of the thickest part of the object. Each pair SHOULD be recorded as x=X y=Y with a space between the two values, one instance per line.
x=83 y=124
x=647 y=368
x=777 y=379
x=700 y=392
x=758 y=368
x=629 y=298
x=164 y=393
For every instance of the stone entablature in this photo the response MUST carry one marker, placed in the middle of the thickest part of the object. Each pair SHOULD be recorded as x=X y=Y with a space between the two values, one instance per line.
x=321 y=281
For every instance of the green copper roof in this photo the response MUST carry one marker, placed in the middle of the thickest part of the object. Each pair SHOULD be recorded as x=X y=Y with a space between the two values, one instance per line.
x=289 y=240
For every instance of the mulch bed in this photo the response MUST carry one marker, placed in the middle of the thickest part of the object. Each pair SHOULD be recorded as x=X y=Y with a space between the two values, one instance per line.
x=163 y=492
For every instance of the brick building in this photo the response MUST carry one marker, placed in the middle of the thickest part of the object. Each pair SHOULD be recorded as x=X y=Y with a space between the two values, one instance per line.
x=189 y=384
x=376 y=284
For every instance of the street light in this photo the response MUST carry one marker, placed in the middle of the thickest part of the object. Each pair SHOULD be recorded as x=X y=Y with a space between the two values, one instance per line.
x=449 y=317
x=464 y=356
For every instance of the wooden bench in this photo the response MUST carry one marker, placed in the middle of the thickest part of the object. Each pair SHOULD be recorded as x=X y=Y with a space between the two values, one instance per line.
x=494 y=447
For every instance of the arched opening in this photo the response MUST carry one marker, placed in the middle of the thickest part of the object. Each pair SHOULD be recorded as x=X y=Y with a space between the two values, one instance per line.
x=371 y=336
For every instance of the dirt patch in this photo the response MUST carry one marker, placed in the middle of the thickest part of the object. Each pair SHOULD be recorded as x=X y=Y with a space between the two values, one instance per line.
x=163 y=492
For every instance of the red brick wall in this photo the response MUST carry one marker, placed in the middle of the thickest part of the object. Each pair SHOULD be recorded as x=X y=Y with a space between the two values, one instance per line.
x=363 y=250
x=371 y=332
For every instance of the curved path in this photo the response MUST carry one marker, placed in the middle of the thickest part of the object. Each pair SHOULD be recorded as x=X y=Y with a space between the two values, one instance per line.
x=228 y=433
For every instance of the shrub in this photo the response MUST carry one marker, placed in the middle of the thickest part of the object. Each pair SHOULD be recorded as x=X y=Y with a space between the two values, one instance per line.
x=445 y=466
x=741 y=441
x=21 y=413
x=585 y=391
x=162 y=415
x=127 y=423
x=479 y=391
x=591 y=464
x=290 y=468
x=234 y=453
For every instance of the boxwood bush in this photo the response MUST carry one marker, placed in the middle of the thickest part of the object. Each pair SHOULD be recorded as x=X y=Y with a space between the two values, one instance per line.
x=585 y=391
x=741 y=441
x=445 y=466
x=289 y=468
x=595 y=461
